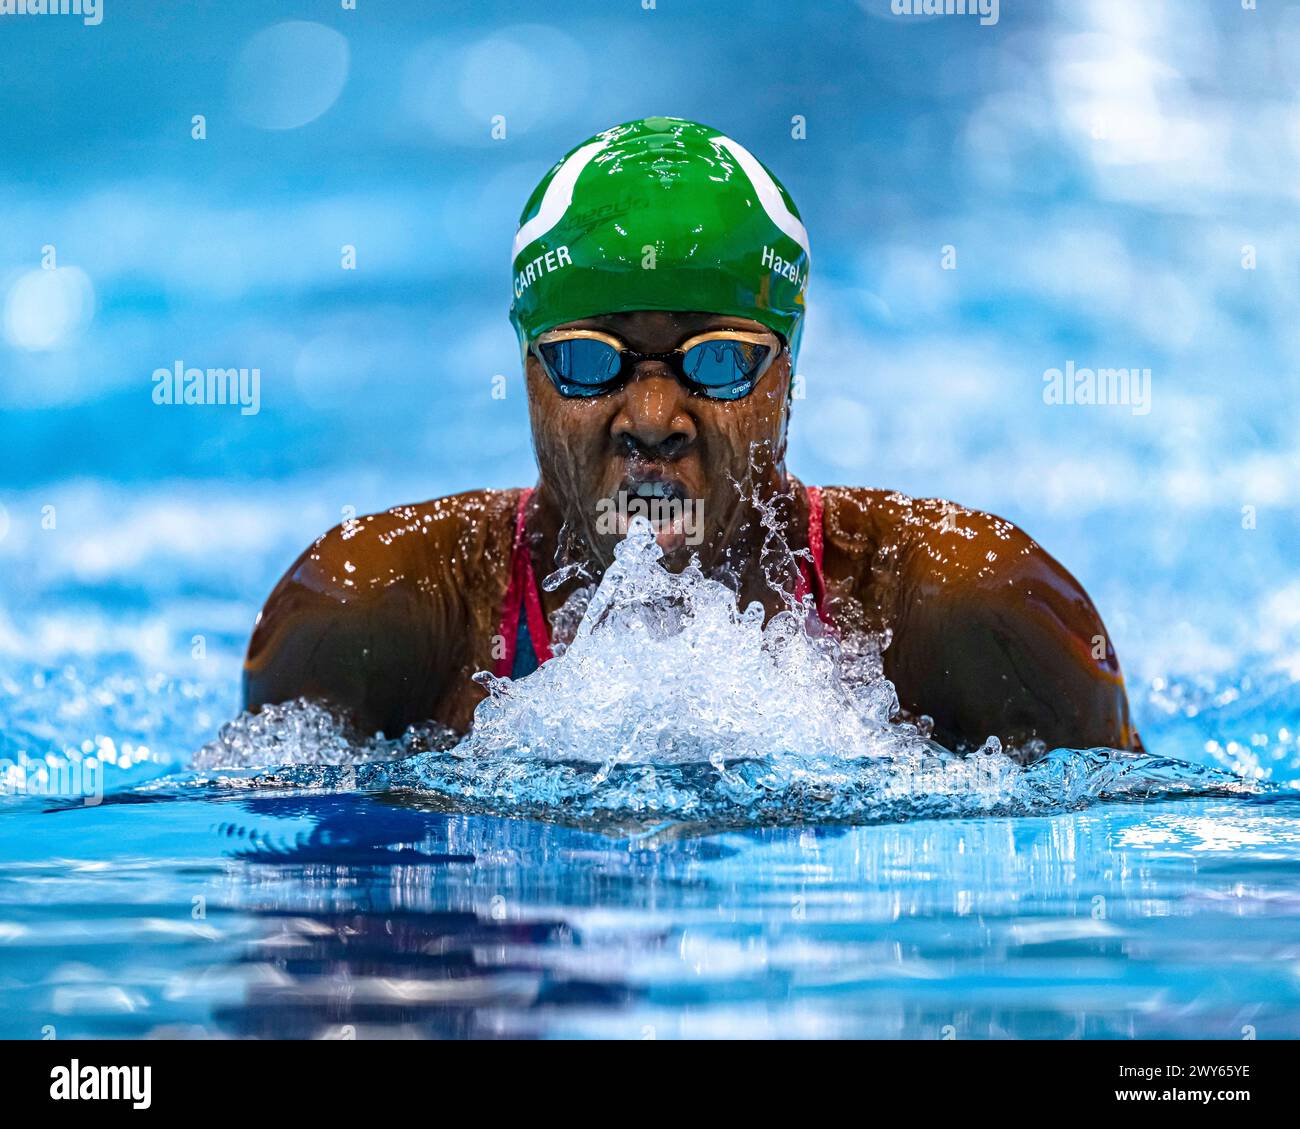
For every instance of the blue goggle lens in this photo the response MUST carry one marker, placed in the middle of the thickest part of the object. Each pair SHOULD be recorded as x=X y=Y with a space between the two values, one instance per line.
x=581 y=366
x=721 y=369
x=725 y=369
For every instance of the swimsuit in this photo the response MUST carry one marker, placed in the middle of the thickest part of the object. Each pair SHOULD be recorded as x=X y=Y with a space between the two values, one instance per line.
x=523 y=623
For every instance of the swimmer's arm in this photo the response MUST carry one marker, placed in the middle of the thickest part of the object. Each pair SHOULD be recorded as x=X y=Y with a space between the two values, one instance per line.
x=353 y=634
x=996 y=638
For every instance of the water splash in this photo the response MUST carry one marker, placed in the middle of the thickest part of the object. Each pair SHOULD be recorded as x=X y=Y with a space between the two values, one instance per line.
x=302 y=732
x=788 y=789
x=672 y=704
x=665 y=668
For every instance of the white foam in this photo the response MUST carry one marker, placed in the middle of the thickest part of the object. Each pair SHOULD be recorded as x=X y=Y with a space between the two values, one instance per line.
x=666 y=668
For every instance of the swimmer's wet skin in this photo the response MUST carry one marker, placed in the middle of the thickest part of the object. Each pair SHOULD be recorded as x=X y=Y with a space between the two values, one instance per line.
x=659 y=282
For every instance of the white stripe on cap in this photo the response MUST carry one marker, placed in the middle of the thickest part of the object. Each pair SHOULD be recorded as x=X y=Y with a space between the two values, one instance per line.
x=557 y=197
x=768 y=194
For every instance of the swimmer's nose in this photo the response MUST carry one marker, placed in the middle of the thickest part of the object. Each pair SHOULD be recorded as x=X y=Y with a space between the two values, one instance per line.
x=653 y=419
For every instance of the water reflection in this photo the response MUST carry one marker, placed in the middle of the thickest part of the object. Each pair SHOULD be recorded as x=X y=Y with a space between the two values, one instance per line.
x=378 y=919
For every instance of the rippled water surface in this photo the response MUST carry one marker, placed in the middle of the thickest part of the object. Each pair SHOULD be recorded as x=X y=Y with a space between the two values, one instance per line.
x=324 y=912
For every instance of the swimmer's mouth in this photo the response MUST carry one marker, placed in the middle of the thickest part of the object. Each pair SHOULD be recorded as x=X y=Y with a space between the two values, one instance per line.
x=662 y=502
x=651 y=487
x=657 y=489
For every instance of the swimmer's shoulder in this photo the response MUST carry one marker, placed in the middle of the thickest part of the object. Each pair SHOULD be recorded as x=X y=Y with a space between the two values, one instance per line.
x=924 y=534
x=991 y=634
x=933 y=549
x=383 y=613
x=857 y=520
x=417 y=549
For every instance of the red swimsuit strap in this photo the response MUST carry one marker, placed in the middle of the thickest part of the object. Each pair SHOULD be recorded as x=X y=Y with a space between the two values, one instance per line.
x=817 y=550
x=524 y=597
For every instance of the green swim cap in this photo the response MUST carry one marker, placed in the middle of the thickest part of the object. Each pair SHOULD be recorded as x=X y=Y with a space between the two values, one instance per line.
x=660 y=214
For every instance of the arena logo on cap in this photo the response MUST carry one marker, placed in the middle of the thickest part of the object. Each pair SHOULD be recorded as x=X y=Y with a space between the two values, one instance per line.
x=987 y=10
x=90 y=11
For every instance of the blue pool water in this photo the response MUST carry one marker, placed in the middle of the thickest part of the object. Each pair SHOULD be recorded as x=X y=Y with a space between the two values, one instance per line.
x=1099 y=171
x=329 y=911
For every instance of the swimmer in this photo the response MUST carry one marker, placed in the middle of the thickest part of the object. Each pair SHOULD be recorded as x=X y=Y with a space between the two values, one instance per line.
x=659 y=282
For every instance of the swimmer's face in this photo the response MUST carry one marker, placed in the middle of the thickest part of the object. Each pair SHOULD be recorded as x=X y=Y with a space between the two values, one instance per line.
x=653 y=434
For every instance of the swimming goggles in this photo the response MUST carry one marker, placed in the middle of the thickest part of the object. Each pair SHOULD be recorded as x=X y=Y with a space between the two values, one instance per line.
x=723 y=364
